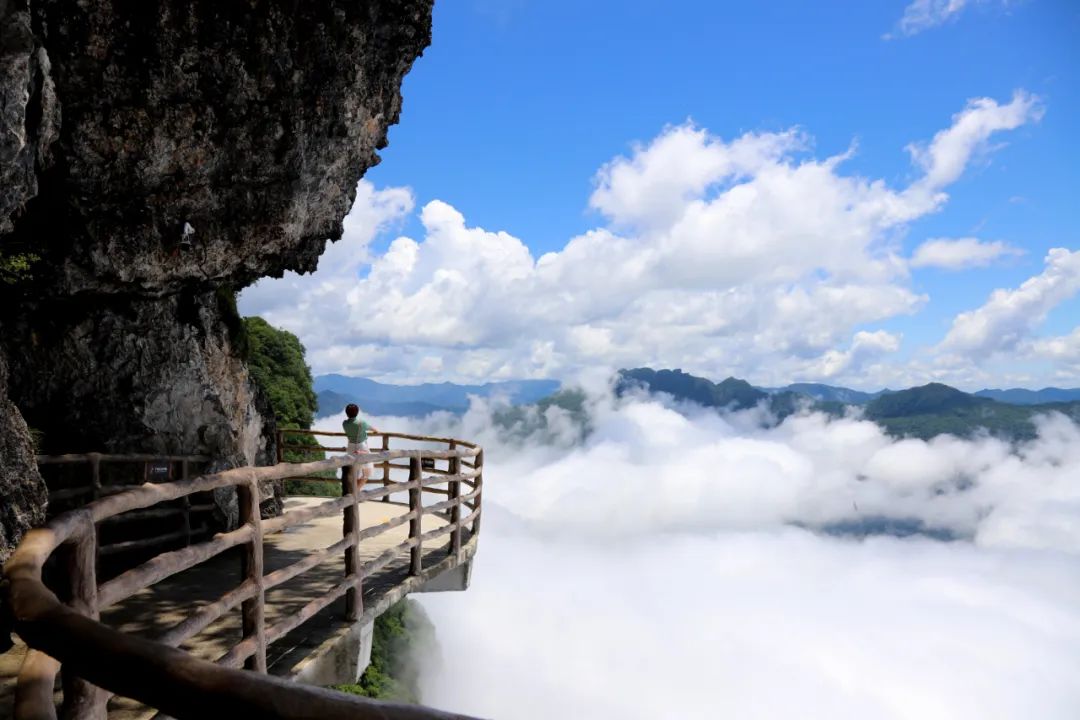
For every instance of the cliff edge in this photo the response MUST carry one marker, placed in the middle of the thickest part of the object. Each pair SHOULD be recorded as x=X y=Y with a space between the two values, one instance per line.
x=154 y=159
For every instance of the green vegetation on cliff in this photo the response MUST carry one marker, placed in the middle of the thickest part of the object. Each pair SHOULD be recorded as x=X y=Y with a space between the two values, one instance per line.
x=276 y=362
x=393 y=673
x=277 y=365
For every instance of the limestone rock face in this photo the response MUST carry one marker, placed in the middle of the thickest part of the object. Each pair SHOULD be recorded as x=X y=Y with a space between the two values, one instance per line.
x=246 y=123
x=157 y=157
x=29 y=113
x=21 y=488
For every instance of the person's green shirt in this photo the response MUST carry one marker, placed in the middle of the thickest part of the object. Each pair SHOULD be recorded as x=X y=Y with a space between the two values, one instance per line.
x=356 y=430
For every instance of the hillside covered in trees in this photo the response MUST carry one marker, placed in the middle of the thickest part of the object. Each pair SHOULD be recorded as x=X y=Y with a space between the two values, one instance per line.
x=923 y=412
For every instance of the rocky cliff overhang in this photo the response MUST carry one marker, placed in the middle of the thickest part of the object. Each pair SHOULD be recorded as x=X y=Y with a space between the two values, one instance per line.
x=154 y=158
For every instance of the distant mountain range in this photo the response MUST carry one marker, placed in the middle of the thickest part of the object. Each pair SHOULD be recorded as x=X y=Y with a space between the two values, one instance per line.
x=924 y=411
x=1020 y=396
x=828 y=393
x=334 y=392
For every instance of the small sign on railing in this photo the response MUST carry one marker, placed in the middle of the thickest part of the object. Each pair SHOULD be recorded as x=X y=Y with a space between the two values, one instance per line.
x=427 y=463
x=158 y=471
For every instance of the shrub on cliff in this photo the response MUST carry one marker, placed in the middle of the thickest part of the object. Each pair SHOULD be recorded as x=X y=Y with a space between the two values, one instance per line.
x=276 y=362
x=400 y=635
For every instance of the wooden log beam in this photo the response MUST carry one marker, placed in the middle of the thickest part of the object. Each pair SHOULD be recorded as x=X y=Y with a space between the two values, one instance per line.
x=350 y=527
x=451 y=503
x=379 y=529
x=479 y=488
x=201 y=619
x=283 y=575
x=306 y=514
x=416 y=511
x=138 y=669
x=294 y=620
x=455 y=507
x=386 y=467
x=154 y=541
x=81 y=699
x=179 y=684
x=387 y=556
x=185 y=502
x=383 y=492
x=166 y=564
x=253 y=610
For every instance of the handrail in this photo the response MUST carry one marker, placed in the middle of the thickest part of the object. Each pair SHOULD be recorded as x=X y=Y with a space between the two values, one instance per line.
x=173 y=681
x=95 y=488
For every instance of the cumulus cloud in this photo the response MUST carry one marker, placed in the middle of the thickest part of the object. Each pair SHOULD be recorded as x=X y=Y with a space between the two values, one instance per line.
x=1064 y=349
x=1009 y=317
x=295 y=296
x=864 y=346
x=722 y=256
x=682 y=563
x=960 y=253
x=944 y=159
x=922 y=15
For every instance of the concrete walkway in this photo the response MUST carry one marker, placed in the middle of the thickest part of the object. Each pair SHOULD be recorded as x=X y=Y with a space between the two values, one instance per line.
x=155 y=609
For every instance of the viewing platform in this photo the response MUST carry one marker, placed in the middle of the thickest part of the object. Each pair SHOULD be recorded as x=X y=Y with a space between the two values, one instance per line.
x=292 y=599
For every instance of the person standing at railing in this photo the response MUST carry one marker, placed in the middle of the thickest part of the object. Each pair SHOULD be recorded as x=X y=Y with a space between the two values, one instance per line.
x=356 y=432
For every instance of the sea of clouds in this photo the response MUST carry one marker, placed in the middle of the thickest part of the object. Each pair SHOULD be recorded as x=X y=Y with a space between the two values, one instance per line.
x=679 y=563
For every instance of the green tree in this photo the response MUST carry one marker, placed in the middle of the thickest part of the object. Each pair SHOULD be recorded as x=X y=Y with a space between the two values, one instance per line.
x=277 y=365
x=401 y=632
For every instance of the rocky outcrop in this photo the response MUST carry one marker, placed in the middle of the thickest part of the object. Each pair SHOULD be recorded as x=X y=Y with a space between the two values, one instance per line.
x=207 y=142
x=21 y=487
x=29 y=113
x=156 y=157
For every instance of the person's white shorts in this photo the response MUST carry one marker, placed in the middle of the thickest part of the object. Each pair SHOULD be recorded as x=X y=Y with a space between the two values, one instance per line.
x=353 y=448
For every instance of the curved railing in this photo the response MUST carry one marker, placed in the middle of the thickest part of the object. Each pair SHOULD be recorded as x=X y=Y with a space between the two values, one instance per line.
x=97 y=661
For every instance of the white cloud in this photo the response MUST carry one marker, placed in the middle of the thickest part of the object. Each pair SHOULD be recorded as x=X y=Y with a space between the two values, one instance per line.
x=922 y=15
x=864 y=347
x=663 y=573
x=1009 y=317
x=292 y=298
x=1064 y=349
x=960 y=253
x=950 y=151
x=740 y=256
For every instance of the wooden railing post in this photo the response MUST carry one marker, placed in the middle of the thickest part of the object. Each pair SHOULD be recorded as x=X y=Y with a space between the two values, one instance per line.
x=416 y=510
x=95 y=475
x=185 y=504
x=386 y=466
x=455 y=509
x=479 y=462
x=350 y=528
x=278 y=450
x=81 y=699
x=253 y=611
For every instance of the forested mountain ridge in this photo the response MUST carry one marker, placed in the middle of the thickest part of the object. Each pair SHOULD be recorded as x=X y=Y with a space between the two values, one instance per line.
x=377 y=398
x=923 y=412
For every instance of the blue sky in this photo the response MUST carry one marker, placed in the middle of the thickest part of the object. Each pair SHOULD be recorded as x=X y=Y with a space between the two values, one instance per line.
x=517 y=105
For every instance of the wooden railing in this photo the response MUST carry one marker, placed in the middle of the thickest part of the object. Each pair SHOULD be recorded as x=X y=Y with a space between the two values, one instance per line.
x=97 y=661
x=193 y=515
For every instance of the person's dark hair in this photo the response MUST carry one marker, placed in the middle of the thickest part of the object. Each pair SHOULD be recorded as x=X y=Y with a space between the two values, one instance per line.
x=352 y=410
